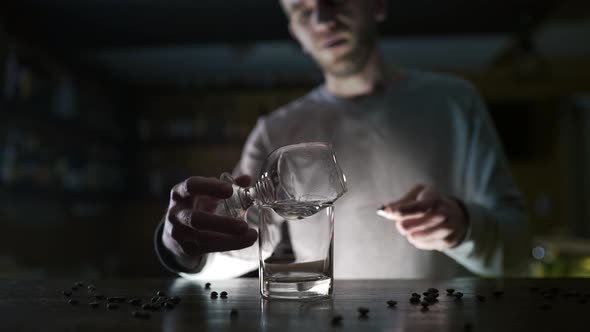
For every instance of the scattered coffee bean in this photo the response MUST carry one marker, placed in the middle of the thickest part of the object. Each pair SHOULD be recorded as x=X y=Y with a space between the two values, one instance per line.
x=363 y=311
x=134 y=302
x=458 y=295
x=233 y=314
x=73 y=302
x=174 y=299
x=426 y=293
x=450 y=291
x=425 y=303
x=391 y=303
x=67 y=293
x=223 y=295
x=430 y=299
x=424 y=309
x=545 y=306
x=140 y=314
x=91 y=288
x=208 y=285
x=79 y=284
x=481 y=298
x=99 y=296
x=168 y=305
x=468 y=327
x=416 y=295
x=112 y=306
x=498 y=293
x=415 y=300
x=155 y=299
x=93 y=305
x=214 y=295
x=337 y=320
x=432 y=290
x=160 y=293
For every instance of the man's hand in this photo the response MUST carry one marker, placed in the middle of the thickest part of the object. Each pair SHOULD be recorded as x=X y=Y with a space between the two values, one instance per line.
x=192 y=228
x=428 y=219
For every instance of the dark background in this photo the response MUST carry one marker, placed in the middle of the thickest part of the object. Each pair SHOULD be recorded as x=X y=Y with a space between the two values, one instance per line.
x=107 y=104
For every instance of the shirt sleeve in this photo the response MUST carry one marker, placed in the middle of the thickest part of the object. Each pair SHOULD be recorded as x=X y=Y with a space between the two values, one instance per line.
x=498 y=240
x=231 y=264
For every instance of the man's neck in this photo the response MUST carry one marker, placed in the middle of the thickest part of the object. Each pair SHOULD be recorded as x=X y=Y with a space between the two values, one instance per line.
x=362 y=83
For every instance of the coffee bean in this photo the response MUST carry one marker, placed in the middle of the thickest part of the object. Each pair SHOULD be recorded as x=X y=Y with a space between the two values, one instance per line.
x=168 y=305
x=79 y=284
x=112 y=306
x=363 y=311
x=134 y=301
x=414 y=300
x=424 y=303
x=66 y=293
x=498 y=293
x=214 y=295
x=223 y=294
x=233 y=314
x=432 y=290
x=175 y=299
x=426 y=293
x=140 y=314
x=450 y=291
x=467 y=327
x=416 y=295
x=73 y=302
x=155 y=299
x=481 y=298
x=391 y=303
x=424 y=309
x=337 y=319
x=99 y=296
x=208 y=285
x=430 y=299
x=93 y=305
x=160 y=293
x=458 y=295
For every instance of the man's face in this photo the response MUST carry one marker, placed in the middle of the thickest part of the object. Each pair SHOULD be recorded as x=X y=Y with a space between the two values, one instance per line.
x=339 y=34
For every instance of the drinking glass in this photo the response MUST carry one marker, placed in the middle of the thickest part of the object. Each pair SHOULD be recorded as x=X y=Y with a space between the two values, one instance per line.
x=297 y=184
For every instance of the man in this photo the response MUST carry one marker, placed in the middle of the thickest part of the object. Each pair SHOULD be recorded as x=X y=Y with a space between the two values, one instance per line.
x=420 y=144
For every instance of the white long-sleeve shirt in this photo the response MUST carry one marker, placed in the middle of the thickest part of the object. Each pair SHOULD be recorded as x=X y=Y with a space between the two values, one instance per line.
x=425 y=128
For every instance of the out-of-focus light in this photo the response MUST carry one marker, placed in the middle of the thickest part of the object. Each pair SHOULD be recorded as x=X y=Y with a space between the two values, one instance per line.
x=539 y=253
x=585 y=263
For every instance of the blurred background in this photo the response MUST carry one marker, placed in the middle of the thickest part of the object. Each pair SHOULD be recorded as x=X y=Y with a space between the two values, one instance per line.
x=106 y=104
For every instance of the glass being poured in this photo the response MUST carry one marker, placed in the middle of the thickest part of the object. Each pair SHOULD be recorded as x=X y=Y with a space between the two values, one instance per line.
x=296 y=181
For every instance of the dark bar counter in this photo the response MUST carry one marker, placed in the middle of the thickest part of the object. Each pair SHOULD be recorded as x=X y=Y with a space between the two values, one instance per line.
x=486 y=305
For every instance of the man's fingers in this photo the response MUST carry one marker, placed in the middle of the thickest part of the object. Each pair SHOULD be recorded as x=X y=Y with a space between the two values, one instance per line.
x=390 y=210
x=198 y=185
x=243 y=180
x=411 y=225
x=436 y=233
x=424 y=206
x=205 y=221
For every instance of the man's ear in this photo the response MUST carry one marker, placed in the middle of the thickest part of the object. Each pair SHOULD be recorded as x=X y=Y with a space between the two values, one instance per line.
x=380 y=10
x=294 y=36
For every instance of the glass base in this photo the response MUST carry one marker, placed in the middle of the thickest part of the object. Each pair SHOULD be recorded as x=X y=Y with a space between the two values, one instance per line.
x=295 y=287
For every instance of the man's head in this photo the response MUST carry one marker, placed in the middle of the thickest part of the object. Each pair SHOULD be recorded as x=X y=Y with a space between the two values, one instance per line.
x=339 y=34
